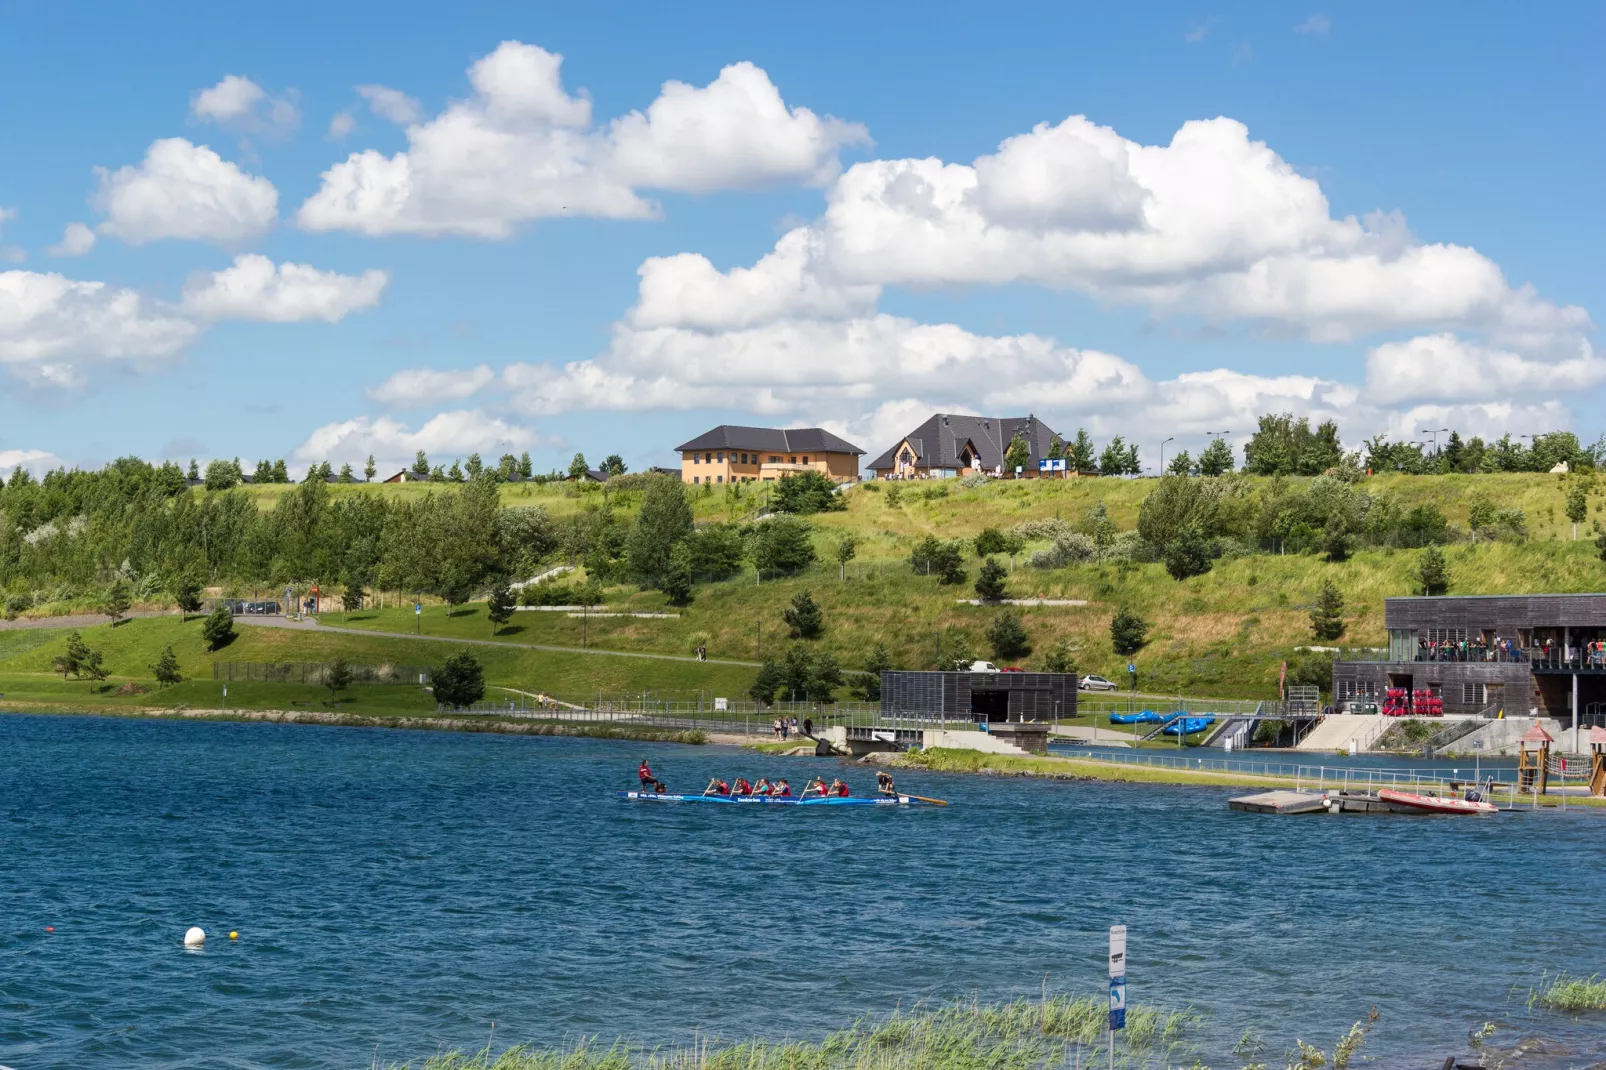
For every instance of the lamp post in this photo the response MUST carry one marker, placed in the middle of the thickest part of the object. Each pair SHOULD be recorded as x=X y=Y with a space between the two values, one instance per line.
x=1162 y=454
x=1434 y=431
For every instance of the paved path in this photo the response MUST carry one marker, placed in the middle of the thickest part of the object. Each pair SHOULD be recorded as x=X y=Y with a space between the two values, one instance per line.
x=310 y=625
x=78 y=620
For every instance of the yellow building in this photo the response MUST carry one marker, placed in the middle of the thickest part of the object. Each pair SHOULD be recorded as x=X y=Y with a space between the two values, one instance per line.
x=730 y=454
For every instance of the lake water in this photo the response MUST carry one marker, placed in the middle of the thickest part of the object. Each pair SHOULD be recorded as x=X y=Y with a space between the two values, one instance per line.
x=397 y=892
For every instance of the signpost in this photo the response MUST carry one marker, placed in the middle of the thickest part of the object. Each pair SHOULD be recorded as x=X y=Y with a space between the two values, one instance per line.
x=1117 y=985
x=1132 y=671
x=418 y=618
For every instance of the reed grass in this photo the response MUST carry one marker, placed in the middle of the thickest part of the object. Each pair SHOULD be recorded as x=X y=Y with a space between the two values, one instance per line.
x=1571 y=995
x=1022 y=1035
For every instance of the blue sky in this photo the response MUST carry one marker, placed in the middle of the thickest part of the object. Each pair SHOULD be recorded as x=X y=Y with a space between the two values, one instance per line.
x=1091 y=274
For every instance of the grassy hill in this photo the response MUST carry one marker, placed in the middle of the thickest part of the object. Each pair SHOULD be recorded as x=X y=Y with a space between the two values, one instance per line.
x=1224 y=633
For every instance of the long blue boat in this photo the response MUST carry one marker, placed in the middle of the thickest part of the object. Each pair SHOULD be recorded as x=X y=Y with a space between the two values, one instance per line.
x=772 y=800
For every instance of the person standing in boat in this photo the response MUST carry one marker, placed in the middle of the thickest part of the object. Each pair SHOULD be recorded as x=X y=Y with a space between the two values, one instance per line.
x=883 y=782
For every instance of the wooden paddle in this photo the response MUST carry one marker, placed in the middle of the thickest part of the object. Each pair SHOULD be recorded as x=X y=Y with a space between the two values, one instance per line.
x=922 y=798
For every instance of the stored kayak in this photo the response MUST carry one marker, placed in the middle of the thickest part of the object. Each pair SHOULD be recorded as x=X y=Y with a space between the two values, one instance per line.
x=1141 y=717
x=1436 y=804
x=771 y=800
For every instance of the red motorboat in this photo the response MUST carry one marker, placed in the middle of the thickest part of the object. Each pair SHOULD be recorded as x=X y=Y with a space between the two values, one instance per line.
x=1437 y=804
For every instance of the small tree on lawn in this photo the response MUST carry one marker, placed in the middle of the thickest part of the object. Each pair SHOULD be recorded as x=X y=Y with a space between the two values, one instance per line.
x=677 y=581
x=1017 y=455
x=460 y=681
x=187 y=594
x=1128 y=632
x=846 y=549
x=578 y=467
x=1216 y=460
x=1432 y=575
x=1061 y=657
x=825 y=676
x=769 y=680
x=166 y=669
x=1336 y=541
x=351 y=598
x=1007 y=636
x=990 y=582
x=867 y=685
x=118 y=599
x=500 y=606
x=1577 y=505
x=1327 y=619
x=218 y=628
x=72 y=659
x=803 y=617
x=370 y=469
x=336 y=677
x=92 y=667
x=1011 y=545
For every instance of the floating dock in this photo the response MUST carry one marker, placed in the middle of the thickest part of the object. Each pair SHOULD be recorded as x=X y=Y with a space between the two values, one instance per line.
x=1280 y=802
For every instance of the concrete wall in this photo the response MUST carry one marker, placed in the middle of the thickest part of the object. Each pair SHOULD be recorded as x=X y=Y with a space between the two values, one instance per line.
x=982 y=741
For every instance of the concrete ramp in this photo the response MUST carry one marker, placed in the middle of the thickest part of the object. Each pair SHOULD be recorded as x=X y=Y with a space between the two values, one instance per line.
x=1501 y=736
x=1337 y=730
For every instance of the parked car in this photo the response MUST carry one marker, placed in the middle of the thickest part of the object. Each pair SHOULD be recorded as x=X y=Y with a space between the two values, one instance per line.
x=1094 y=682
x=982 y=666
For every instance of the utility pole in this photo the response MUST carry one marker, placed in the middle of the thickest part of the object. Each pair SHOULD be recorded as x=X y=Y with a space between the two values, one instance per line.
x=1162 y=454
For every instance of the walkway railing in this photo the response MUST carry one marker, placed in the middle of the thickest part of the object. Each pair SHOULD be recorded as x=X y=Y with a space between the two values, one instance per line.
x=1306 y=775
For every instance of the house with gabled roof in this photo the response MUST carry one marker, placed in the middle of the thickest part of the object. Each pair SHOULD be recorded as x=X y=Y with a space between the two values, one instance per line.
x=952 y=445
x=732 y=454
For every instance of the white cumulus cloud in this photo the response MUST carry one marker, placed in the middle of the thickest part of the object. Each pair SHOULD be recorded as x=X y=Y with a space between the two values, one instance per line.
x=736 y=132
x=391 y=104
x=238 y=103
x=393 y=444
x=76 y=240
x=182 y=190
x=1445 y=368
x=523 y=148
x=54 y=329
x=35 y=462
x=255 y=288
x=421 y=386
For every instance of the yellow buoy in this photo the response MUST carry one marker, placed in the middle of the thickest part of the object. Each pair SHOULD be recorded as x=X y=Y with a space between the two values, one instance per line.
x=233 y=935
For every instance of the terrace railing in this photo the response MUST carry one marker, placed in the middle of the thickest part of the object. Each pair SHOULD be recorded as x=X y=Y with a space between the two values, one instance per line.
x=1307 y=776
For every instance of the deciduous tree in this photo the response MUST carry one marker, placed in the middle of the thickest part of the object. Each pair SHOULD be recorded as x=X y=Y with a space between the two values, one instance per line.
x=460 y=680
x=1128 y=632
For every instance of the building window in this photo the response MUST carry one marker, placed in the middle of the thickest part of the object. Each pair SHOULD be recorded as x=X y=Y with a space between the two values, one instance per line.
x=805 y=459
x=696 y=479
x=720 y=478
x=775 y=460
x=794 y=460
x=720 y=456
x=1473 y=694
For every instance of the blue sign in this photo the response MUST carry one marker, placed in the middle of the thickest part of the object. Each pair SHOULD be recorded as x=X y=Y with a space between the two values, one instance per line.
x=1117 y=1003
x=1131 y=666
x=418 y=609
x=1051 y=464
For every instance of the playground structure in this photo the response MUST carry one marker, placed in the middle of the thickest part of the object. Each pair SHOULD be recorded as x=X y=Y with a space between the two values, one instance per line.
x=1597 y=763
x=1533 y=763
x=1536 y=765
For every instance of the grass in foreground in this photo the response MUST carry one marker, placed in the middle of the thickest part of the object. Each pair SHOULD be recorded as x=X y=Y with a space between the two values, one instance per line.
x=1571 y=995
x=1021 y=1035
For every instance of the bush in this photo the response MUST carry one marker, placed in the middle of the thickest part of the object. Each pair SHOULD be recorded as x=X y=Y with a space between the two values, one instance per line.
x=781 y=544
x=460 y=681
x=1128 y=632
x=1007 y=636
x=218 y=628
x=990 y=584
x=1061 y=657
x=1070 y=548
x=1187 y=555
x=989 y=541
x=934 y=557
x=806 y=492
x=867 y=685
x=716 y=551
x=1327 y=619
x=1432 y=575
x=803 y=617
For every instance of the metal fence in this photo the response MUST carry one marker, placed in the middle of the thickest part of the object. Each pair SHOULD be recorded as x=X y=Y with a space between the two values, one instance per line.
x=1308 y=776
x=1089 y=706
x=313 y=672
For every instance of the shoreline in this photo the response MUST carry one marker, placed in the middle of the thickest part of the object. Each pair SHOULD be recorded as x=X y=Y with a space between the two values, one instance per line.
x=422 y=722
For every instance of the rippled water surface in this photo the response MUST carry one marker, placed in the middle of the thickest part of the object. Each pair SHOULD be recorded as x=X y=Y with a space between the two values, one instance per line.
x=397 y=892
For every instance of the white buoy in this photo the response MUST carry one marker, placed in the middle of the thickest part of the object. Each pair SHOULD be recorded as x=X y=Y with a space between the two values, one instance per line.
x=195 y=937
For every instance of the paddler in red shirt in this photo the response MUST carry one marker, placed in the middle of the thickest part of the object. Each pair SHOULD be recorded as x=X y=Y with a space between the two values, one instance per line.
x=743 y=787
x=644 y=772
x=717 y=786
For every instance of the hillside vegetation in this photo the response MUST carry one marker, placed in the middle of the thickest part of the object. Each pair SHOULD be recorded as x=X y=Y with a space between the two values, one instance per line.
x=1266 y=546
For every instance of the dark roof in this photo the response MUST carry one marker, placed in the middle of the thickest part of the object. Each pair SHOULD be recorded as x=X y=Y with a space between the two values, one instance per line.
x=798 y=439
x=938 y=442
